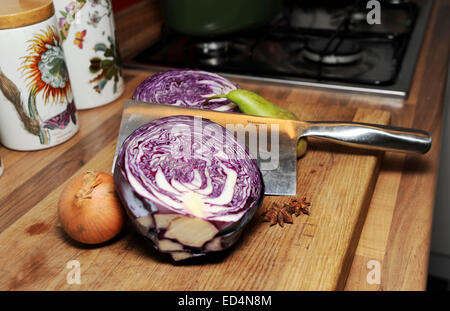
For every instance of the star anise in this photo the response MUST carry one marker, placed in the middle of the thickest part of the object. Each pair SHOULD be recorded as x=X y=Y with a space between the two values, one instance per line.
x=301 y=207
x=281 y=215
x=276 y=214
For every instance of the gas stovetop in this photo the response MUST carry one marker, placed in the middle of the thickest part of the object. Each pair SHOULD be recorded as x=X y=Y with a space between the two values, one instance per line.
x=325 y=44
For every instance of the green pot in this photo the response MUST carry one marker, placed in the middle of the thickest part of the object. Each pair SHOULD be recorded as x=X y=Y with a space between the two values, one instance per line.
x=206 y=18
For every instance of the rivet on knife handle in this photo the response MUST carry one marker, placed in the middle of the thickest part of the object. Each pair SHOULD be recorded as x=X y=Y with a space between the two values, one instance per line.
x=371 y=136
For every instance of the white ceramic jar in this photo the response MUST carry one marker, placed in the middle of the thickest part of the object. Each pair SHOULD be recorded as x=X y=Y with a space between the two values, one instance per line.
x=91 y=51
x=36 y=103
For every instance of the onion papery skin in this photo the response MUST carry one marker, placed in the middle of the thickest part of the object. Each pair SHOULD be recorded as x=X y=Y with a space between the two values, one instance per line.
x=173 y=168
x=89 y=209
x=187 y=88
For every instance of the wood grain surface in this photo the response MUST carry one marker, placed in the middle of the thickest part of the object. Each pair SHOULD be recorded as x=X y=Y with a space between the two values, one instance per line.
x=314 y=253
x=396 y=232
x=15 y=14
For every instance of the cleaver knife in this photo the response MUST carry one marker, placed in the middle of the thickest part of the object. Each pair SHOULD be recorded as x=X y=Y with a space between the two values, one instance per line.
x=275 y=149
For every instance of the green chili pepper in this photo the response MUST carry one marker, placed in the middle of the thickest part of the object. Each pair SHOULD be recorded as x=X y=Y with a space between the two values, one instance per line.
x=254 y=104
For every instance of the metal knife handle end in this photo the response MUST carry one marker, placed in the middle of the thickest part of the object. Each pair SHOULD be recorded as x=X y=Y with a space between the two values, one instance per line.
x=371 y=136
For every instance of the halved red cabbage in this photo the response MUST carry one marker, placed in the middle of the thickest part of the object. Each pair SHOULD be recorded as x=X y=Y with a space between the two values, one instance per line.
x=188 y=184
x=186 y=88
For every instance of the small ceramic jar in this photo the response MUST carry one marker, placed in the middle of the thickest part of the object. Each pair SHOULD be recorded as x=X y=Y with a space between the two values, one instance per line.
x=36 y=103
x=91 y=51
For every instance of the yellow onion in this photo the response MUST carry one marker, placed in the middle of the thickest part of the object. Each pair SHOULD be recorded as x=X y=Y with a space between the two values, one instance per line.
x=89 y=209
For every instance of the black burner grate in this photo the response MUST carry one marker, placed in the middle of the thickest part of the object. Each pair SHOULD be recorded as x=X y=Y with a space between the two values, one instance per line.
x=282 y=49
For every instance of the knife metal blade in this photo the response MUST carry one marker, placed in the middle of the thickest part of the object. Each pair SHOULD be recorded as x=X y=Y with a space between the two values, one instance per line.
x=277 y=159
x=273 y=142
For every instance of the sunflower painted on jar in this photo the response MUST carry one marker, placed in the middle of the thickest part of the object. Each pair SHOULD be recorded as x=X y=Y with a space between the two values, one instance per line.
x=44 y=67
x=37 y=109
x=45 y=72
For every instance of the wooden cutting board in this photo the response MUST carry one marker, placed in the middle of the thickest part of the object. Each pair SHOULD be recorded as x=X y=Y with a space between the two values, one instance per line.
x=313 y=253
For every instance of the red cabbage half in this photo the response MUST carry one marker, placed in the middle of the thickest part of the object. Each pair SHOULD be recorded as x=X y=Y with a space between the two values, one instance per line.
x=188 y=184
x=186 y=88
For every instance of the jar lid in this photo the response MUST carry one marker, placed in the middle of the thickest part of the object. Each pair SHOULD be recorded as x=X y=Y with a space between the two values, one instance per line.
x=24 y=12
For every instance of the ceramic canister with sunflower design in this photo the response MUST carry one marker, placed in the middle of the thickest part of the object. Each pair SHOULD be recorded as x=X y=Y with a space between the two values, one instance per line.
x=87 y=30
x=36 y=104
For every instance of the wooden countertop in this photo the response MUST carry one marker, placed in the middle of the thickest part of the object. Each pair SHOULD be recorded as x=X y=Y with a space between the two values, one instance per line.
x=397 y=229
